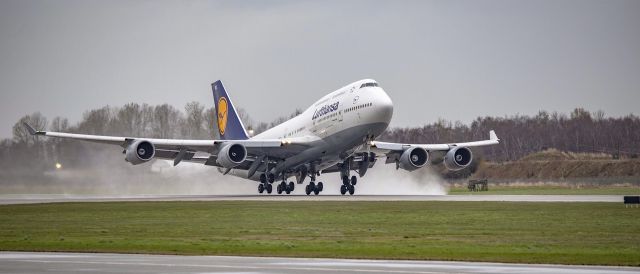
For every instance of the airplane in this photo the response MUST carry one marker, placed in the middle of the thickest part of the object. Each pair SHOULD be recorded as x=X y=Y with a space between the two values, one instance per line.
x=336 y=134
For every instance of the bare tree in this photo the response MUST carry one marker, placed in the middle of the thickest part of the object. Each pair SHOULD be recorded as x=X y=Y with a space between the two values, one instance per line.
x=166 y=121
x=211 y=123
x=195 y=120
x=20 y=133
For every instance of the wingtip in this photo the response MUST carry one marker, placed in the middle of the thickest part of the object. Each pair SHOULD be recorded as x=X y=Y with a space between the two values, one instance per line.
x=493 y=136
x=29 y=128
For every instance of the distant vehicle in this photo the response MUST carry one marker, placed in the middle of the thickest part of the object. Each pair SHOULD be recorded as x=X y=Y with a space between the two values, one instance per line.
x=335 y=134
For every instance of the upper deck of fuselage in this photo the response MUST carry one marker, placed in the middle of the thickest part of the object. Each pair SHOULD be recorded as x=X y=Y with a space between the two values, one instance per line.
x=346 y=89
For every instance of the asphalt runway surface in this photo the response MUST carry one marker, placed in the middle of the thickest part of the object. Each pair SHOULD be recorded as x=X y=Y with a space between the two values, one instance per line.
x=34 y=262
x=57 y=198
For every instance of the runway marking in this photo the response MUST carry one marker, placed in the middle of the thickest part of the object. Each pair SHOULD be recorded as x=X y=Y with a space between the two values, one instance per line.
x=275 y=264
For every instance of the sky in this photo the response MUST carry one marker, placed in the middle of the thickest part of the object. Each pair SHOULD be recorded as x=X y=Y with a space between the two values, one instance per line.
x=455 y=60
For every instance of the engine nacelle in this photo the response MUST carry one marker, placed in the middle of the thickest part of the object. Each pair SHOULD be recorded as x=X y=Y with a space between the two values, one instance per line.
x=232 y=155
x=413 y=158
x=457 y=158
x=140 y=151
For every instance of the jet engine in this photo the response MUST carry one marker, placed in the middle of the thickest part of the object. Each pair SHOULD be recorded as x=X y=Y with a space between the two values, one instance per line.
x=457 y=158
x=140 y=151
x=413 y=158
x=232 y=155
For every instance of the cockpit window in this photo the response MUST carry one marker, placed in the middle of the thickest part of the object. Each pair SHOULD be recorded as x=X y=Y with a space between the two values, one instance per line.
x=374 y=84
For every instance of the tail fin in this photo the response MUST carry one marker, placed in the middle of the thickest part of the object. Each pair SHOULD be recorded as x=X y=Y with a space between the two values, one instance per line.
x=229 y=123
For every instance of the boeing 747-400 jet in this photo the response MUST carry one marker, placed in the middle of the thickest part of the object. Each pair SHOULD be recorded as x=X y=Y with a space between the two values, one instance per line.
x=336 y=134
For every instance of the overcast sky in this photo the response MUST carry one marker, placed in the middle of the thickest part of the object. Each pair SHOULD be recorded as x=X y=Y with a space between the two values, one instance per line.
x=436 y=59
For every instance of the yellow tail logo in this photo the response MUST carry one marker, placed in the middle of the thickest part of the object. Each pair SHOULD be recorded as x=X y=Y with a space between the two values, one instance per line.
x=222 y=114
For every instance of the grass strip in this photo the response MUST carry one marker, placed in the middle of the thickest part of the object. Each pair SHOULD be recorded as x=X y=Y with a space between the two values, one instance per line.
x=559 y=233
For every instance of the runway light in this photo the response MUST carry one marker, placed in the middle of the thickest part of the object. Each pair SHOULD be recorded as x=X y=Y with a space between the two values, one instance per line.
x=58 y=165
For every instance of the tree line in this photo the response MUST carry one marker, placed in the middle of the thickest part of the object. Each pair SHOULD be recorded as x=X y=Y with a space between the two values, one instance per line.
x=578 y=131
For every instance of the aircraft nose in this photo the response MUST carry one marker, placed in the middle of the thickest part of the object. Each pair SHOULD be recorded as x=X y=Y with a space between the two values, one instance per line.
x=384 y=108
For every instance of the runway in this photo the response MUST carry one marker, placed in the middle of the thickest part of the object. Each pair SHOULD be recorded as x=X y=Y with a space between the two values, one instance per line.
x=58 y=198
x=31 y=262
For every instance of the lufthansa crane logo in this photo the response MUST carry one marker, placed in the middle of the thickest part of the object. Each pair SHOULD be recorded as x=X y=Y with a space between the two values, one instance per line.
x=222 y=114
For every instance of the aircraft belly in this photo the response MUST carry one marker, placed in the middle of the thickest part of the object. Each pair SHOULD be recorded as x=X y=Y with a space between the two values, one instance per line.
x=348 y=139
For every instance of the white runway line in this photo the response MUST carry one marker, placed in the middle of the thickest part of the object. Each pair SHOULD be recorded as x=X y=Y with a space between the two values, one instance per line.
x=30 y=262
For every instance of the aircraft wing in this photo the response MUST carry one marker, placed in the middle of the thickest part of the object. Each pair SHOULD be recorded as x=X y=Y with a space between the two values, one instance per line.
x=188 y=150
x=385 y=147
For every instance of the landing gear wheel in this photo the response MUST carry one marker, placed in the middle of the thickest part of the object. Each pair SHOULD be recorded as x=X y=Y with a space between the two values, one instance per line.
x=307 y=189
x=291 y=187
x=354 y=180
x=271 y=178
x=260 y=188
x=316 y=191
x=269 y=188
x=279 y=188
x=320 y=186
x=352 y=189
x=345 y=180
x=263 y=178
x=286 y=188
x=343 y=189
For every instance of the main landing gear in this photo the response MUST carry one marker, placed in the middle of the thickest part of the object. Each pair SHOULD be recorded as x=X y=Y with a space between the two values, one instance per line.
x=314 y=187
x=348 y=185
x=284 y=187
x=265 y=183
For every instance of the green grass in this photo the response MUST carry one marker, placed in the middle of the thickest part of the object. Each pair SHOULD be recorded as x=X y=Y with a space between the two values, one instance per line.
x=564 y=233
x=549 y=190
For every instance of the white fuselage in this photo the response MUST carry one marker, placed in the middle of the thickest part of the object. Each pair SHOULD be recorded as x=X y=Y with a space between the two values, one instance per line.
x=338 y=123
x=354 y=106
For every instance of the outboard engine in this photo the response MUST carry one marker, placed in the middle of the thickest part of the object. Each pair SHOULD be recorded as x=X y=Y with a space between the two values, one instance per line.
x=457 y=158
x=140 y=151
x=413 y=158
x=232 y=155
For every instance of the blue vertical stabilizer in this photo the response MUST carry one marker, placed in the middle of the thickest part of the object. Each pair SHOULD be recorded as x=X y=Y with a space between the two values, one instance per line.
x=229 y=124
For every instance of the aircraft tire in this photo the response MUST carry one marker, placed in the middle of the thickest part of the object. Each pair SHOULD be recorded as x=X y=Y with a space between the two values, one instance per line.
x=291 y=187
x=263 y=178
x=279 y=188
x=343 y=189
x=354 y=180
x=271 y=178
x=260 y=188
x=308 y=190
x=352 y=189
x=269 y=188
x=320 y=186
x=345 y=180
